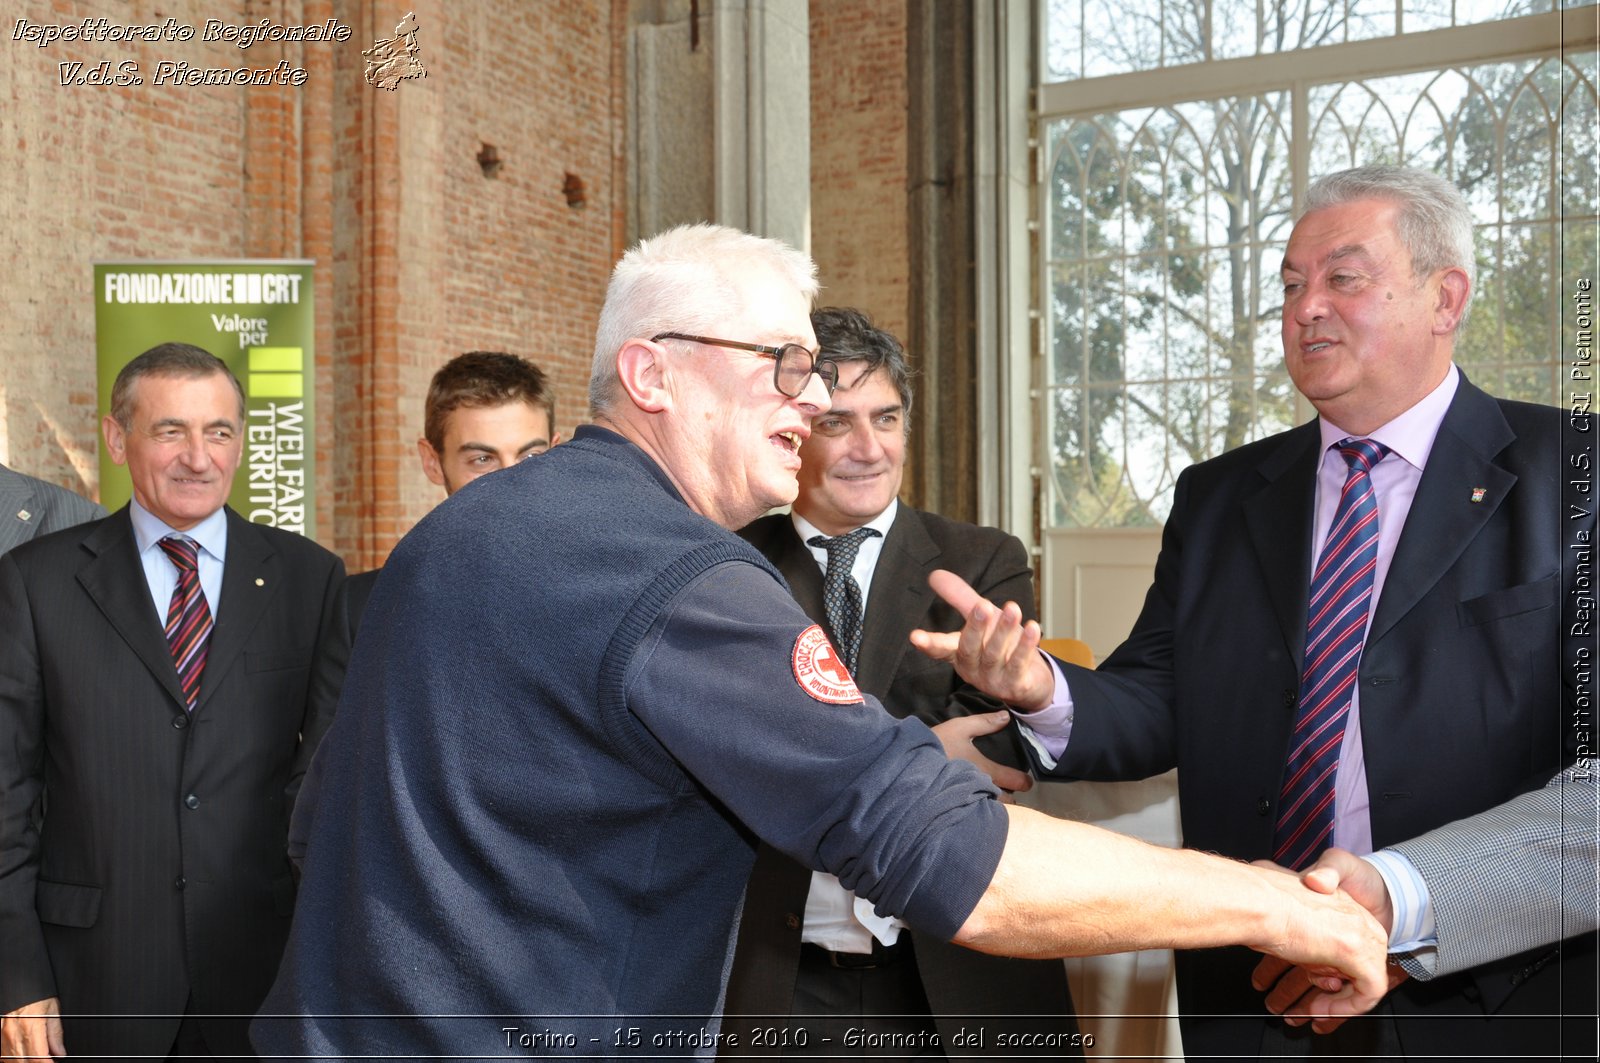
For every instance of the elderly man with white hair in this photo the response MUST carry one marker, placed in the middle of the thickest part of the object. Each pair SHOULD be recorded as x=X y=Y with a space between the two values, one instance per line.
x=580 y=698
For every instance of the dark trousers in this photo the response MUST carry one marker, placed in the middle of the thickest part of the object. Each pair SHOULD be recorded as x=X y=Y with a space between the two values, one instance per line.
x=190 y=1042
x=859 y=1008
x=1370 y=1037
x=108 y=1037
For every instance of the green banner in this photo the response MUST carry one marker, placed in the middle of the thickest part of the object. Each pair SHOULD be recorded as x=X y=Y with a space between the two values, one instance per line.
x=255 y=315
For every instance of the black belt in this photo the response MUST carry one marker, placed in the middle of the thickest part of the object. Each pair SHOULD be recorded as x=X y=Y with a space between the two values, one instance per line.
x=881 y=955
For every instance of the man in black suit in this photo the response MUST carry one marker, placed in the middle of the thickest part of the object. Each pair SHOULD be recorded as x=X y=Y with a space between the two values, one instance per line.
x=1459 y=683
x=807 y=946
x=485 y=411
x=31 y=507
x=164 y=677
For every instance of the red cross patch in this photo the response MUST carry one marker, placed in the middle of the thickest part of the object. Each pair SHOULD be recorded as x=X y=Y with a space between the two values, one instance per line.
x=820 y=672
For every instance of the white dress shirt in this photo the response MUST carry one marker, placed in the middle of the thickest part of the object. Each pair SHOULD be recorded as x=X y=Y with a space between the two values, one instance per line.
x=835 y=918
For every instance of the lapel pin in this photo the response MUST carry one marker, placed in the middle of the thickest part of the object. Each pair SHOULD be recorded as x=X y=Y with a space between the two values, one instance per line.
x=260 y=582
x=1478 y=493
x=23 y=514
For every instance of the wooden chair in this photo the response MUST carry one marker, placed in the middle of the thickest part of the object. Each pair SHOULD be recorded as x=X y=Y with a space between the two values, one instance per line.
x=1073 y=651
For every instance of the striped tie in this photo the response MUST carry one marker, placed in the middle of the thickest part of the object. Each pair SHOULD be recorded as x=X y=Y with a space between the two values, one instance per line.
x=188 y=617
x=1336 y=627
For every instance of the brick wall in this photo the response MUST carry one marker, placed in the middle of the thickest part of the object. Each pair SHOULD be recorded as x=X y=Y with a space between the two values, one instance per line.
x=860 y=225
x=94 y=173
x=859 y=233
x=419 y=254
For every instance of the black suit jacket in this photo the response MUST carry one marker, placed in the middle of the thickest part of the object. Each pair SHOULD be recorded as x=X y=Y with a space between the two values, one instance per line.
x=142 y=850
x=1465 y=696
x=357 y=589
x=964 y=988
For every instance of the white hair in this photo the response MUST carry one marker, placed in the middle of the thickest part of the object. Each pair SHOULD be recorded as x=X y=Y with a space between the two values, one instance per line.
x=683 y=280
x=1435 y=224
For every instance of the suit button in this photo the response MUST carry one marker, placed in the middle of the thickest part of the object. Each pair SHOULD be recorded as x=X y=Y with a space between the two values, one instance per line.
x=1290 y=697
x=182 y=882
x=792 y=921
x=1263 y=806
x=181 y=720
x=191 y=802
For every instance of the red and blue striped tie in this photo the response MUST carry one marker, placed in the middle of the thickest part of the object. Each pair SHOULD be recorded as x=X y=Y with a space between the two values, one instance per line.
x=1336 y=628
x=188 y=617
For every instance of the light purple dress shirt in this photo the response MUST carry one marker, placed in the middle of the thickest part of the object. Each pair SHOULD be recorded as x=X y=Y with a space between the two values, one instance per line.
x=1409 y=438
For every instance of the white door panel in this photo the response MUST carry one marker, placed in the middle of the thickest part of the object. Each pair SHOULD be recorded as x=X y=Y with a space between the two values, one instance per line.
x=1093 y=586
x=1094 y=583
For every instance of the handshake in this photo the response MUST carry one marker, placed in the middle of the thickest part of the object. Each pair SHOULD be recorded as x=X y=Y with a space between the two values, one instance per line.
x=1320 y=995
x=1325 y=932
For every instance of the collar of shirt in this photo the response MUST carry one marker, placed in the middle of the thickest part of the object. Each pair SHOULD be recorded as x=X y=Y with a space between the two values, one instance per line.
x=866 y=557
x=1409 y=436
x=210 y=535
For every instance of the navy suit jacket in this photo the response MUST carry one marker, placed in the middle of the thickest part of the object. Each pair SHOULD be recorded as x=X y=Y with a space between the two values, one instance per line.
x=964 y=988
x=1465 y=696
x=142 y=849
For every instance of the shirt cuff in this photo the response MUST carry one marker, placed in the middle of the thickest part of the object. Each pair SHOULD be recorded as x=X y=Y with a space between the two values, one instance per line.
x=1049 y=729
x=1413 y=932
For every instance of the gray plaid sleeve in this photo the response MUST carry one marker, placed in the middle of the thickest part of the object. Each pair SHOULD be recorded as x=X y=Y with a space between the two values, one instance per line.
x=1515 y=877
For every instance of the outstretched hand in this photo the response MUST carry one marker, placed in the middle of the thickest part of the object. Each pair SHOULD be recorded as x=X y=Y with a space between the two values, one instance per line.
x=1300 y=994
x=957 y=734
x=994 y=651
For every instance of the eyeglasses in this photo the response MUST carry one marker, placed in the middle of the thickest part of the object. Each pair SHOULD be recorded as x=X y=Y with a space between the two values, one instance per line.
x=793 y=368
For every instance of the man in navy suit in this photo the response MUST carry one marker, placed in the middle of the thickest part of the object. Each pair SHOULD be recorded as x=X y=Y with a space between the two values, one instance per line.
x=1463 y=683
x=165 y=674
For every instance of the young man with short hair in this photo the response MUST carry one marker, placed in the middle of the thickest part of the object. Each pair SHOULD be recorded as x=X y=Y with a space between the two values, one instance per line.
x=485 y=410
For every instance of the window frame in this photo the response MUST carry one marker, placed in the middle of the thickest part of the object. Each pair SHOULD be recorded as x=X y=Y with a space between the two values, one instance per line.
x=1297 y=73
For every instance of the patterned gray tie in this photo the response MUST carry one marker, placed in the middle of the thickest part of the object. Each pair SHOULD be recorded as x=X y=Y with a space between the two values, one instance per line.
x=841 y=594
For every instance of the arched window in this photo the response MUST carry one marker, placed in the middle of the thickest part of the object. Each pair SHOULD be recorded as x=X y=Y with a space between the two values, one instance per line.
x=1175 y=139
